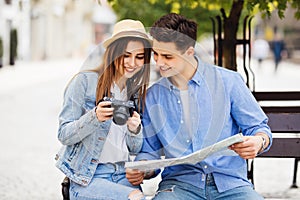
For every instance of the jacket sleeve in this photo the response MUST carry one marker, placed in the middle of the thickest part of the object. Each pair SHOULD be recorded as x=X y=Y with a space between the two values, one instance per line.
x=75 y=121
x=134 y=141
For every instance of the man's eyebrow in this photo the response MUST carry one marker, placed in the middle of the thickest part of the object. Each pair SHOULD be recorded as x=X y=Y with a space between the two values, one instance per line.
x=162 y=54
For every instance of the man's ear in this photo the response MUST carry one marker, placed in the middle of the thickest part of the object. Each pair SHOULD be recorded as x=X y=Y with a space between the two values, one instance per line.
x=190 y=51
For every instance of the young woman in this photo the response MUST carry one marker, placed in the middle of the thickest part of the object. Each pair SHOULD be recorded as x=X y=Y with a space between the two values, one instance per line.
x=95 y=145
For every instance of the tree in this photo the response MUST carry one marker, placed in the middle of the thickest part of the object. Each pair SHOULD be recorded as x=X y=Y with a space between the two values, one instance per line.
x=148 y=11
x=230 y=11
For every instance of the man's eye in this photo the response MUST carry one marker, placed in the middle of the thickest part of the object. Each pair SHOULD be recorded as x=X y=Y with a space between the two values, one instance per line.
x=169 y=57
x=126 y=56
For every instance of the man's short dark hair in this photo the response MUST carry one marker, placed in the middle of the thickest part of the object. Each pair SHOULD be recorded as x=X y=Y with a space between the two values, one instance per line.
x=175 y=28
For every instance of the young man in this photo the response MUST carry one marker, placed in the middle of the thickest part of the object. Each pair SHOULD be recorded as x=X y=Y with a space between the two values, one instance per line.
x=195 y=105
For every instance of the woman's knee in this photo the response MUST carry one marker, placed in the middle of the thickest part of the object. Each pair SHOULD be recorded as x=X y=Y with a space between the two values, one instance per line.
x=136 y=195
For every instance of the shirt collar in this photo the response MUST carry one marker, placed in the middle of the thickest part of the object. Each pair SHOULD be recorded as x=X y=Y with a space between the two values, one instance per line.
x=198 y=76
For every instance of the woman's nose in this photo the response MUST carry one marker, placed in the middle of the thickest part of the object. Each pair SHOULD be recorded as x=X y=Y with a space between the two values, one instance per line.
x=131 y=62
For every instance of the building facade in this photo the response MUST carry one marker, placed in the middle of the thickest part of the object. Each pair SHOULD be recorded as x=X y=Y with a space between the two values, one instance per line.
x=53 y=29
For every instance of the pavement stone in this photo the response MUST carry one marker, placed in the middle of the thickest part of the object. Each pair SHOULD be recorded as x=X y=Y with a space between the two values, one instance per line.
x=31 y=95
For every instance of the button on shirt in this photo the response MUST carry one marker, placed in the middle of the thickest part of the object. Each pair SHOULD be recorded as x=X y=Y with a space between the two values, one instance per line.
x=220 y=106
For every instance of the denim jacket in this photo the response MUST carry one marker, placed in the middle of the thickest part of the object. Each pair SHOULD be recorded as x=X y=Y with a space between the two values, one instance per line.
x=81 y=133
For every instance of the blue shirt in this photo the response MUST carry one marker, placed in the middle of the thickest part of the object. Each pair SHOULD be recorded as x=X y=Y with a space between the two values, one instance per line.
x=221 y=105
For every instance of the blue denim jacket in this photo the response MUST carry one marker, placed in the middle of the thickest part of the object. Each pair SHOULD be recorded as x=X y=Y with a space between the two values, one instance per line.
x=220 y=106
x=80 y=132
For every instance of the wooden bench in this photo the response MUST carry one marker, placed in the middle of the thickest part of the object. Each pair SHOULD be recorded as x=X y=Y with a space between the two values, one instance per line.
x=284 y=121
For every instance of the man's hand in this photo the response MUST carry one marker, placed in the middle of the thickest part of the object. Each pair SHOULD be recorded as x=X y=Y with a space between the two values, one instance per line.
x=249 y=148
x=134 y=176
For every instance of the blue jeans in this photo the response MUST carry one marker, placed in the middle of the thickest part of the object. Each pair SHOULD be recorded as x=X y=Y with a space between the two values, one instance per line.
x=109 y=183
x=172 y=189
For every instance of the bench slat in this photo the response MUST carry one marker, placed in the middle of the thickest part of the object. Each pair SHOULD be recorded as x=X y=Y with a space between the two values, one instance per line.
x=281 y=109
x=284 y=122
x=284 y=148
x=277 y=96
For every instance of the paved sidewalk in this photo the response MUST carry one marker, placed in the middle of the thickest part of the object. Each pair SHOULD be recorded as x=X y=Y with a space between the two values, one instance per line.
x=30 y=99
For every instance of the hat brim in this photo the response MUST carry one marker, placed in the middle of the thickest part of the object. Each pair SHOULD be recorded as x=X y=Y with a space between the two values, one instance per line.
x=140 y=35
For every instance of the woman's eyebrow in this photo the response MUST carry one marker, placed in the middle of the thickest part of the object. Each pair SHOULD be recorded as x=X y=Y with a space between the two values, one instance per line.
x=142 y=53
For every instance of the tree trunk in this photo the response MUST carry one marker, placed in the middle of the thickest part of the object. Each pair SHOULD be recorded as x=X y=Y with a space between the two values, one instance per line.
x=230 y=27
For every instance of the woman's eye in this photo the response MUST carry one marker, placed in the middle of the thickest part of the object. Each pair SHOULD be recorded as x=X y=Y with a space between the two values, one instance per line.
x=140 y=57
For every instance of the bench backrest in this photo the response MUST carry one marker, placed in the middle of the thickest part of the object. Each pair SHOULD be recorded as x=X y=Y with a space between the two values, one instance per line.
x=284 y=121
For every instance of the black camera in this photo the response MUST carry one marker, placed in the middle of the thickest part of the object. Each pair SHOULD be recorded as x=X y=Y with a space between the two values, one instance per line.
x=122 y=110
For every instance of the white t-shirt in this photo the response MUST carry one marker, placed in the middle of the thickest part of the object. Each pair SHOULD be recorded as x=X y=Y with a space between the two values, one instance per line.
x=184 y=95
x=115 y=147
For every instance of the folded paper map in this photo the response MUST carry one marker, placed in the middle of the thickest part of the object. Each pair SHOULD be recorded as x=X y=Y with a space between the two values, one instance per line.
x=189 y=159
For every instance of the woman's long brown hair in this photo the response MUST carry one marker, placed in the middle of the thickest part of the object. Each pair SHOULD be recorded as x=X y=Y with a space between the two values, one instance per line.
x=113 y=63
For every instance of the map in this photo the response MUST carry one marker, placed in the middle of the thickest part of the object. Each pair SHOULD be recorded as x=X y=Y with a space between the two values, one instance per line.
x=189 y=159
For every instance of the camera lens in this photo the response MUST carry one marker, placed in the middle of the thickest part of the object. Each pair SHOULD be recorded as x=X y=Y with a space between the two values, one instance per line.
x=120 y=115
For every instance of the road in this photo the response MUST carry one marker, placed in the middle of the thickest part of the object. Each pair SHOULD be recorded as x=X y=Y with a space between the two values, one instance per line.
x=31 y=95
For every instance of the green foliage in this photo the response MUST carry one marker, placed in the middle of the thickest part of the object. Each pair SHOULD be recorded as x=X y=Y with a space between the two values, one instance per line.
x=296 y=5
x=265 y=6
x=148 y=11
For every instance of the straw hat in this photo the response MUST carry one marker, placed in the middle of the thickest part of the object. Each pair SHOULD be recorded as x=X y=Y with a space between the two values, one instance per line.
x=127 y=28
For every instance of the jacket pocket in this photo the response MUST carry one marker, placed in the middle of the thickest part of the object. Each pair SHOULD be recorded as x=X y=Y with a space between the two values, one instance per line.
x=73 y=151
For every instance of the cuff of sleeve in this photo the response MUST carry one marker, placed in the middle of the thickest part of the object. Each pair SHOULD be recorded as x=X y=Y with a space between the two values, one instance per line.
x=266 y=148
x=138 y=131
x=96 y=122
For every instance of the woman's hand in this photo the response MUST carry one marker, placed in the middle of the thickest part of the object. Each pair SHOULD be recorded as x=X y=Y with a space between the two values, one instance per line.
x=104 y=111
x=134 y=123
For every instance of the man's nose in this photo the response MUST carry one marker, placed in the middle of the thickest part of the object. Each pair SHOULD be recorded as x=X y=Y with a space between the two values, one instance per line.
x=160 y=61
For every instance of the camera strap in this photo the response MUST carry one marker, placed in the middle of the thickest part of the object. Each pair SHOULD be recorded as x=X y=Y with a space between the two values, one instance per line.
x=137 y=105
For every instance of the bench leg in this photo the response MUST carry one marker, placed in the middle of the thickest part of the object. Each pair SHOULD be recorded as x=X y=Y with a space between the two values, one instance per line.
x=294 y=184
x=250 y=170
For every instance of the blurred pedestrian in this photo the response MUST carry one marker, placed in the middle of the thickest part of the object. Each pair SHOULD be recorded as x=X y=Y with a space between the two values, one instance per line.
x=95 y=147
x=260 y=50
x=277 y=46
